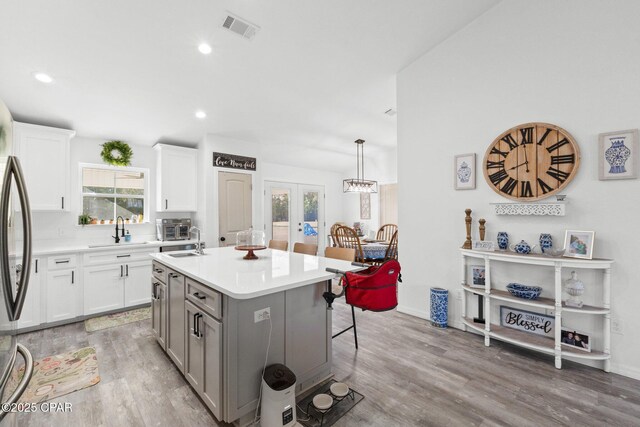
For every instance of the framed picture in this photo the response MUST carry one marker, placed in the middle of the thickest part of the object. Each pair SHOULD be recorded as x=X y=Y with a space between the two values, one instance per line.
x=483 y=245
x=575 y=339
x=578 y=244
x=527 y=321
x=477 y=276
x=464 y=171
x=618 y=155
x=365 y=206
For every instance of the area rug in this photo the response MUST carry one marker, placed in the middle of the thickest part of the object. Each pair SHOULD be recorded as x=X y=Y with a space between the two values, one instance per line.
x=330 y=417
x=58 y=375
x=117 y=319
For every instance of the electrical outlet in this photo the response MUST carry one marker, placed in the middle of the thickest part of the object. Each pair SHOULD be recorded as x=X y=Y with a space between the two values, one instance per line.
x=616 y=326
x=260 y=315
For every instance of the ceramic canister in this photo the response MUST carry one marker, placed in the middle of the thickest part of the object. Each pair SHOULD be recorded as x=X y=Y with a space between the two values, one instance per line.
x=503 y=240
x=546 y=242
x=439 y=307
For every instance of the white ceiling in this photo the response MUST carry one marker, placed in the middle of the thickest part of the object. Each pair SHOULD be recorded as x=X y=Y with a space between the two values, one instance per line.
x=317 y=76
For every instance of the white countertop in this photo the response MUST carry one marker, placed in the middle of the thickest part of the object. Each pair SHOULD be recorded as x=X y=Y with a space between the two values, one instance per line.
x=224 y=270
x=59 y=248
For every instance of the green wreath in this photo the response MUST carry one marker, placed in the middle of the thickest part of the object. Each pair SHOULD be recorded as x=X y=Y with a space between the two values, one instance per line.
x=116 y=153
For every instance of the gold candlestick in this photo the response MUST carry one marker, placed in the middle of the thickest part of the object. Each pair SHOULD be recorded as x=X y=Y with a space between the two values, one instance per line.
x=482 y=229
x=467 y=220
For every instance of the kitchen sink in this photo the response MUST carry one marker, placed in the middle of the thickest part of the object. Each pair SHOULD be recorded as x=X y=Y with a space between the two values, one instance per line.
x=183 y=254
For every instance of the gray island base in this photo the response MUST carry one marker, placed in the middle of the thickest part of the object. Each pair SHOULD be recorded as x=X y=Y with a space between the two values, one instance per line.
x=209 y=317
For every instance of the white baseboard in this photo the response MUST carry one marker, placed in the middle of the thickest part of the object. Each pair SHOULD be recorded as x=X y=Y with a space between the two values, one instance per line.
x=413 y=312
x=626 y=371
x=423 y=314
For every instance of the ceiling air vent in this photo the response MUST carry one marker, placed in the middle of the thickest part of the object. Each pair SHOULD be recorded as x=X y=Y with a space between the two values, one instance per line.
x=240 y=26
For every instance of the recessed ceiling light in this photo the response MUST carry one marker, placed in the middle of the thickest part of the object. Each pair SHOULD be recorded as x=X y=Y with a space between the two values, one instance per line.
x=42 y=77
x=204 y=48
x=201 y=114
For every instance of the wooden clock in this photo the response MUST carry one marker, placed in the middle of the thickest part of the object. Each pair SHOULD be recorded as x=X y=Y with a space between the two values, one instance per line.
x=531 y=161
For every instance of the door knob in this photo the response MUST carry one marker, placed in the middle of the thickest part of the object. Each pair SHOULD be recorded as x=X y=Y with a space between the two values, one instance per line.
x=222 y=239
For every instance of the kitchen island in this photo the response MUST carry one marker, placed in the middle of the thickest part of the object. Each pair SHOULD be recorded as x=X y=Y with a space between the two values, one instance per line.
x=216 y=314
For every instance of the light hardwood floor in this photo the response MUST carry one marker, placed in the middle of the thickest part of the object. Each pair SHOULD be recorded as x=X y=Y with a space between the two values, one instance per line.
x=410 y=373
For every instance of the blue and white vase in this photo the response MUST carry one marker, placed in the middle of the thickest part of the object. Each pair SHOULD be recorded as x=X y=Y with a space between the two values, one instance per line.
x=503 y=240
x=439 y=307
x=617 y=155
x=464 y=173
x=546 y=242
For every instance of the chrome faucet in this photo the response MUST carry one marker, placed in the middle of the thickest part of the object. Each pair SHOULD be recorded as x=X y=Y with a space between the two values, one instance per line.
x=118 y=229
x=199 y=249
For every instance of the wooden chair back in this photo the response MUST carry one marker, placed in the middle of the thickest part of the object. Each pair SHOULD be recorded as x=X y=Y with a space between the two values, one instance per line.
x=281 y=245
x=334 y=227
x=346 y=237
x=305 y=248
x=392 y=250
x=346 y=254
x=386 y=232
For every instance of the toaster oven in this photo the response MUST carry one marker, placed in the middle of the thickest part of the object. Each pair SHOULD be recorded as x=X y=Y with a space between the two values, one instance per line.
x=169 y=229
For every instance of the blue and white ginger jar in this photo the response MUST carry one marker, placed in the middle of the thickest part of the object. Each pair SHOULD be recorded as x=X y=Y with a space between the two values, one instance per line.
x=464 y=172
x=546 y=242
x=617 y=155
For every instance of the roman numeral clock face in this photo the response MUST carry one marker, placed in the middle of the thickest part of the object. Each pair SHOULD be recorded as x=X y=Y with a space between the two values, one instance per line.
x=531 y=161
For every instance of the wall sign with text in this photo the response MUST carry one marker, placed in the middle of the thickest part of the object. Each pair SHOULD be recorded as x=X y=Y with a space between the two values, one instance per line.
x=527 y=321
x=232 y=161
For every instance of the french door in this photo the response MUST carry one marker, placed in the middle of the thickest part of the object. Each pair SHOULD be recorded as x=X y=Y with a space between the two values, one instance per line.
x=295 y=213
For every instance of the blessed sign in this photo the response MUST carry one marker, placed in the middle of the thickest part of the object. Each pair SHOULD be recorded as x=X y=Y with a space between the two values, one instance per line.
x=232 y=161
x=527 y=321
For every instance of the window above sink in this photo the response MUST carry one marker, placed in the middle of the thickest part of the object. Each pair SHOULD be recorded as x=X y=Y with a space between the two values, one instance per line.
x=108 y=192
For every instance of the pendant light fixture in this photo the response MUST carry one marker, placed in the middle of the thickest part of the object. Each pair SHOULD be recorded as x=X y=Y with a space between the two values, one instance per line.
x=359 y=184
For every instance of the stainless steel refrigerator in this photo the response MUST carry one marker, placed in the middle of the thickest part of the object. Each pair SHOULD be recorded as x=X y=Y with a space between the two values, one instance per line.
x=15 y=265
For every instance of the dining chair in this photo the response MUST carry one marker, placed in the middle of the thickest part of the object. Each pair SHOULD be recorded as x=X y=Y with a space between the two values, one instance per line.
x=305 y=248
x=386 y=232
x=346 y=254
x=281 y=245
x=346 y=237
x=332 y=233
x=392 y=250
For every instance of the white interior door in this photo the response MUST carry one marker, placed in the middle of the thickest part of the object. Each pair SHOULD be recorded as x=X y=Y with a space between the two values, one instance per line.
x=234 y=205
x=295 y=213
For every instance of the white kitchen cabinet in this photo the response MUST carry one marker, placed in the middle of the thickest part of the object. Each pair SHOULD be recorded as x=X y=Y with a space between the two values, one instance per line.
x=44 y=157
x=63 y=295
x=177 y=178
x=103 y=288
x=113 y=286
x=32 y=310
x=136 y=283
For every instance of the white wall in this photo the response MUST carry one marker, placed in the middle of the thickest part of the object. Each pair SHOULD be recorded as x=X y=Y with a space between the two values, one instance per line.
x=60 y=228
x=571 y=63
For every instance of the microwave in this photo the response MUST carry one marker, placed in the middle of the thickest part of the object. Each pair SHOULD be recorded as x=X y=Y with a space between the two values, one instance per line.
x=168 y=229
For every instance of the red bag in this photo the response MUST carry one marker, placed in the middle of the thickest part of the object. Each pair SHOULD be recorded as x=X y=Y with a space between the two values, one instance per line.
x=375 y=288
